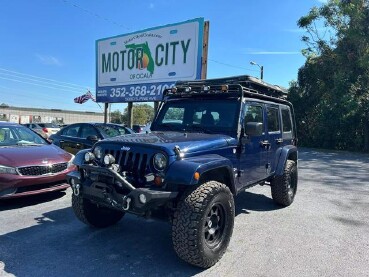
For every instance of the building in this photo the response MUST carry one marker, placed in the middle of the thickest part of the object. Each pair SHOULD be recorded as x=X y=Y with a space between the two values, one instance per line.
x=27 y=115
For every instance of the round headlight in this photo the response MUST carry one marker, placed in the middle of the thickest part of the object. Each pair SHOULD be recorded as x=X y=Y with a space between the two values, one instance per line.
x=98 y=152
x=89 y=156
x=109 y=159
x=160 y=161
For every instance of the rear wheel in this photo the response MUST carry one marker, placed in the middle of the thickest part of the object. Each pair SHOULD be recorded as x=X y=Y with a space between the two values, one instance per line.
x=94 y=215
x=203 y=224
x=284 y=187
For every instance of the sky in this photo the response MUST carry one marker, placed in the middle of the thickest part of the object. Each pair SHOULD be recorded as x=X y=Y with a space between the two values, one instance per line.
x=47 y=49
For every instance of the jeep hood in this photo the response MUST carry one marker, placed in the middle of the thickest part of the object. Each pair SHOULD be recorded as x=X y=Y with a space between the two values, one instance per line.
x=166 y=141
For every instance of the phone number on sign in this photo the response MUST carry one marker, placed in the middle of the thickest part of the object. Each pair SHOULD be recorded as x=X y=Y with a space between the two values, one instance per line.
x=142 y=90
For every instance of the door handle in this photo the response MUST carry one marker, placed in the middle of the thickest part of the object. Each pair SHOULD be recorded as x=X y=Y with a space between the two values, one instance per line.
x=265 y=143
x=61 y=141
x=279 y=140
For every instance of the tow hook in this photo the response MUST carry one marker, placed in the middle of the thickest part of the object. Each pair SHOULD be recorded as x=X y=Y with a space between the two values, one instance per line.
x=76 y=188
x=126 y=203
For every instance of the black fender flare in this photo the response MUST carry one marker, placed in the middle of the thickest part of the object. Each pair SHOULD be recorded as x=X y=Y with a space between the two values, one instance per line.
x=285 y=153
x=79 y=159
x=182 y=171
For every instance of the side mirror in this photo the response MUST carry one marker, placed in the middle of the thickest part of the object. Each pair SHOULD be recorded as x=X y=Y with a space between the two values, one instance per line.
x=92 y=138
x=254 y=128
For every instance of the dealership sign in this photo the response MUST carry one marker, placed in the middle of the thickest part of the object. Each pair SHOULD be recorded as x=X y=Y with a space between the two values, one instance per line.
x=139 y=66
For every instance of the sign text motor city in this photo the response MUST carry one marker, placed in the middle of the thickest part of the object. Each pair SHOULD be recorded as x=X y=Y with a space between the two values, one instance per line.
x=139 y=56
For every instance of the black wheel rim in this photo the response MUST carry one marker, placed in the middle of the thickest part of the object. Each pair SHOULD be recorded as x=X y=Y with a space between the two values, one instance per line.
x=214 y=225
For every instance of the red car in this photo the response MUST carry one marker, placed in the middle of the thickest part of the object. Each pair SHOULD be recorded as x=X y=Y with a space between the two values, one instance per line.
x=29 y=164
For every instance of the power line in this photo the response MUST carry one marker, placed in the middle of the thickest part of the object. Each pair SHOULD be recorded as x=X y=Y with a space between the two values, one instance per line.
x=23 y=93
x=41 y=78
x=95 y=14
x=234 y=66
x=37 y=81
x=36 y=84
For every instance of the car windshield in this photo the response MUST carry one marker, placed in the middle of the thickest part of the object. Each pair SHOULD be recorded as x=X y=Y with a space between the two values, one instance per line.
x=209 y=116
x=109 y=131
x=18 y=135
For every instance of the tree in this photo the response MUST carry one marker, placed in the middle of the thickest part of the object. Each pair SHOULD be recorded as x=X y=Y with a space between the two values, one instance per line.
x=331 y=95
x=142 y=114
x=116 y=117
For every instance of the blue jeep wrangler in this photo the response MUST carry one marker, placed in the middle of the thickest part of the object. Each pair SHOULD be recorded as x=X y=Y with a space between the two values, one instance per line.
x=210 y=140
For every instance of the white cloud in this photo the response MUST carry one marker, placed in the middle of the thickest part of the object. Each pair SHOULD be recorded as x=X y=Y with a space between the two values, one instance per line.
x=48 y=60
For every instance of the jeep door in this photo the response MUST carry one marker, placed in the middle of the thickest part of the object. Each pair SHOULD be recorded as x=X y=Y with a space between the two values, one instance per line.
x=288 y=132
x=68 y=138
x=274 y=135
x=254 y=155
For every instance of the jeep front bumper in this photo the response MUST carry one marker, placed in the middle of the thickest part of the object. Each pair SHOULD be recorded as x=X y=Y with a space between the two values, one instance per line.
x=137 y=201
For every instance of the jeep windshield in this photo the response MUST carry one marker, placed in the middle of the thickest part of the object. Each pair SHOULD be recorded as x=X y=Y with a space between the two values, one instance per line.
x=198 y=115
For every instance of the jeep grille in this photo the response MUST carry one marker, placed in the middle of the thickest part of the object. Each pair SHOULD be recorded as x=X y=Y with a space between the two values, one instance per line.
x=132 y=162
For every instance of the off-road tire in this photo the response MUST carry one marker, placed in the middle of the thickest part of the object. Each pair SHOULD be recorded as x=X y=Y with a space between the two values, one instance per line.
x=191 y=230
x=284 y=187
x=94 y=215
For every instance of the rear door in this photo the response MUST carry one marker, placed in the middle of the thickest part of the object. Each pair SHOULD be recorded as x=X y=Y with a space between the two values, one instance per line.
x=69 y=139
x=287 y=126
x=254 y=157
x=274 y=135
x=86 y=131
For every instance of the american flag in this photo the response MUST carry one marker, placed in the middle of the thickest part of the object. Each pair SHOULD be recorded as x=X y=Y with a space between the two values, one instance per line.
x=85 y=97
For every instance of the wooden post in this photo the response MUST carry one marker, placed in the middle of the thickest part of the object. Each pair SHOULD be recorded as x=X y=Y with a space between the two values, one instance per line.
x=204 y=60
x=106 y=112
x=130 y=114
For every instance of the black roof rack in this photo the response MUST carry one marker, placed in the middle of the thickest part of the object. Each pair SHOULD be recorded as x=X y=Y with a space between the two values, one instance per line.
x=244 y=83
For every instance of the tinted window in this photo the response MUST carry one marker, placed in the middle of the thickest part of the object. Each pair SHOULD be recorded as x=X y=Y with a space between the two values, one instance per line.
x=286 y=119
x=273 y=121
x=174 y=115
x=109 y=131
x=198 y=115
x=71 y=131
x=254 y=114
x=88 y=130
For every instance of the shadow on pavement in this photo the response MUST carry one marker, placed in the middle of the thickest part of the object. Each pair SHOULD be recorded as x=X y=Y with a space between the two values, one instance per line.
x=60 y=245
x=247 y=201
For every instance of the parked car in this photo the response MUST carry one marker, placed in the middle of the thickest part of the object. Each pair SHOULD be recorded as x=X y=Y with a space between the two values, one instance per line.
x=78 y=136
x=44 y=129
x=211 y=140
x=138 y=128
x=29 y=164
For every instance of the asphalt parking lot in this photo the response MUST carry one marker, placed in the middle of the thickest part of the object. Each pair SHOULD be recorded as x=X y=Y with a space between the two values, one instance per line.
x=324 y=233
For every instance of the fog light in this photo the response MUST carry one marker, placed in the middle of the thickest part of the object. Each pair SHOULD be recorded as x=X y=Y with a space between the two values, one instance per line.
x=89 y=156
x=142 y=198
x=109 y=159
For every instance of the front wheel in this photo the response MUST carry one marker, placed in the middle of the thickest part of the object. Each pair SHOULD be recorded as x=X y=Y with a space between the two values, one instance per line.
x=284 y=187
x=94 y=215
x=203 y=224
